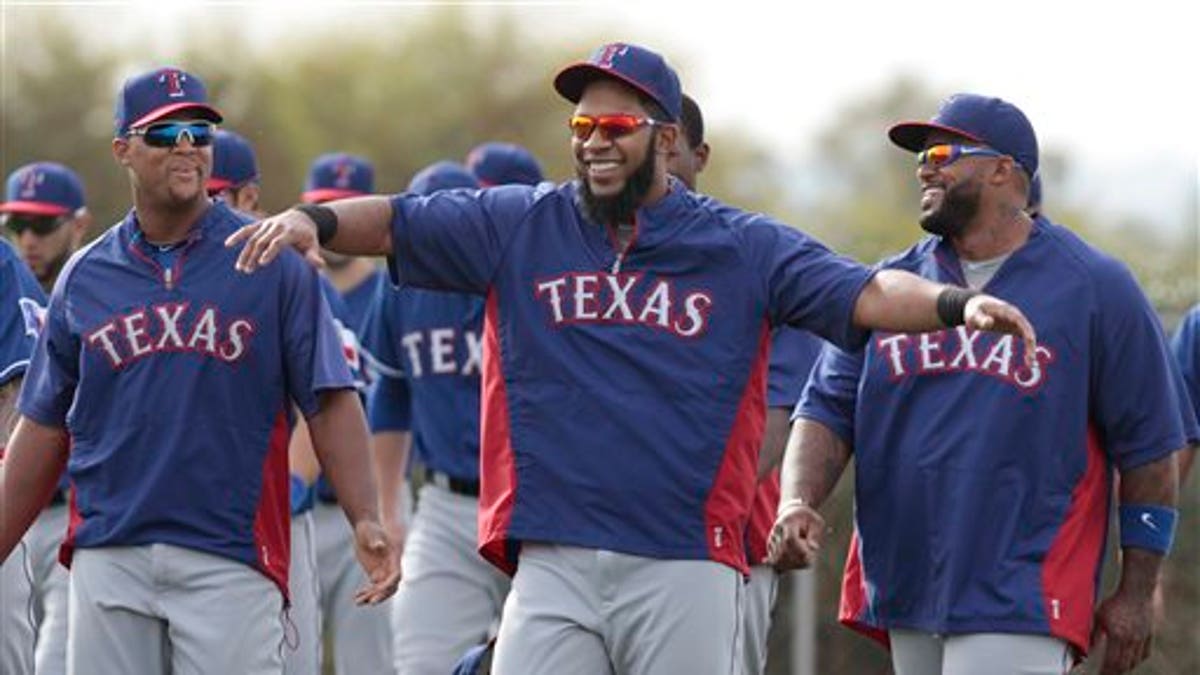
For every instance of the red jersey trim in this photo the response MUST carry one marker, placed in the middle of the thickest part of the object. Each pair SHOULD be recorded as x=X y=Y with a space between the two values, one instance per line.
x=498 y=473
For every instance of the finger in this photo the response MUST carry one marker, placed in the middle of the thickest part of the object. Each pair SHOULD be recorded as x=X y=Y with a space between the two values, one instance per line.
x=313 y=256
x=272 y=249
x=242 y=233
x=252 y=247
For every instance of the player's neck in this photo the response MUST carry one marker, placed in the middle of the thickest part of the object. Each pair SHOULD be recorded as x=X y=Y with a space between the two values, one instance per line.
x=351 y=274
x=168 y=225
x=994 y=232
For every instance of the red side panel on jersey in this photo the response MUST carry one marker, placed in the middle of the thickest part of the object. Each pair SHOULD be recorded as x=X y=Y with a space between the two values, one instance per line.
x=854 y=610
x=1071 y=571
x=272 y=522
x=66 y=550
x=498 y=474
x=762 y=517
x=727 y=510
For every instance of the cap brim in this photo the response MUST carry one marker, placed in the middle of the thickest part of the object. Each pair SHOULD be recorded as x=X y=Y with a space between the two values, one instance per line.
x=35 y=208
x=328 y=195
x=572 y=80
x=203 y=109
x=912 y=135
x=218 y=184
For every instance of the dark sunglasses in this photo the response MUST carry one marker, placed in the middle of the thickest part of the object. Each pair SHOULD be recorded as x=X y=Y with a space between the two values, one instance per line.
x=168 y=134
x=610 y=126
x=17 y=223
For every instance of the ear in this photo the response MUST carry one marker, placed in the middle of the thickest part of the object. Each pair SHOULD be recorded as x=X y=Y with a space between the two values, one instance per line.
x=80 y=226
x=668 y=135
x=120 y=150
x=702 y=156
x=247 y=198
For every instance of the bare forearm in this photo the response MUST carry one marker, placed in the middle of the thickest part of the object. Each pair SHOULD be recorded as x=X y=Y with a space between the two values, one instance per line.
x=8 y=408
x=364 y=226
x=32 y=464
x=302 y=458
x=775 y=438
x=898 y=302
x=1187 y=458
x=391 y=459
x=813 y=463
x=1156 y=483
x=339 y=435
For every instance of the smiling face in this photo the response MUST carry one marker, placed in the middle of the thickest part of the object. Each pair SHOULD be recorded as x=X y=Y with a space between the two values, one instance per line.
x=622 y=172
x=950 y=194
x=172 y=178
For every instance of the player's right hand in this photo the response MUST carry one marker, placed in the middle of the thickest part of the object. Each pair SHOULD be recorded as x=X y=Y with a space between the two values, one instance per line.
x=380 y=559
x=796 y=537
x=267 y=238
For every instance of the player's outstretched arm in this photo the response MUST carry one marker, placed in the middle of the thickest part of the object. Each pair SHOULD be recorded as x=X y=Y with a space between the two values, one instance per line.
x=775 y=438
x=339 y=435
x=901 y=302
x=33 y=461
x=360 y=226
x=812 y=464
x=1124 y=621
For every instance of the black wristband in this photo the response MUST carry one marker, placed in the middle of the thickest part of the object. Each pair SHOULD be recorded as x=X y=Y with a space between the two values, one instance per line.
x=323 y=217
x=952 y=304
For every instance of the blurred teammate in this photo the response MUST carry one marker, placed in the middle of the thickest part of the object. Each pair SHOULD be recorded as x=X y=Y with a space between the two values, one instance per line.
x=361 y=637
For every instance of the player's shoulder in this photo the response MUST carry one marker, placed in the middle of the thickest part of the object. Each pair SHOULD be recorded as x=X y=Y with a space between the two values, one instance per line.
x=1072 y=253
x=914 y=257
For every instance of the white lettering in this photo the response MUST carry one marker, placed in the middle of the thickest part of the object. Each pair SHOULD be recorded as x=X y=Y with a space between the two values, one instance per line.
x=135 y=333
x=966 y=348
x=930 y=349
x=239 y=336
x=474 y=354
x=658 y=303
x=412 y=342
x=169 y=316
x=620 y=298
x=694 y=308
x=205 y=331
x=585 y=297
x=554 y=288
x=1000 y=355
x=102 y=337
x=893 y=346
x=441 y=350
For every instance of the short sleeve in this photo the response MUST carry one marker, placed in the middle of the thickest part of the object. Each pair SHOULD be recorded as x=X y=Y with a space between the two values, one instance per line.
x=53 y=375
x=388 y=407
x=1135 y=403
x=454 y=240
x=811 y=287
x=314 y=358
x=1185 y=347
x=793 y=353
x=831 y=394
x=21 y=309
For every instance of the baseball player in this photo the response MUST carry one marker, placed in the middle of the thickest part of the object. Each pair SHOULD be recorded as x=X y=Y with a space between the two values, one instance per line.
x=46 y=216
x=449 y=597
x=361 y=639
x=234 y=178
x=495 y=163
x=20 y=629
x=981 y=483
x=176 y=387
x=792 y=355
x=625 y=345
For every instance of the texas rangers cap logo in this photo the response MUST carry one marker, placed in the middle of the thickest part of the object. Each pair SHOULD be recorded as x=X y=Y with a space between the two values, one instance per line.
x=33 y=314
x=174 y=81
x=30 y=182
x=342 y=171
x=609 y=52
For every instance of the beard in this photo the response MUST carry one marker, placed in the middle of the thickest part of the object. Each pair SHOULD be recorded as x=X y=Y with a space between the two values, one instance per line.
x=959 y=206
x=621 y=207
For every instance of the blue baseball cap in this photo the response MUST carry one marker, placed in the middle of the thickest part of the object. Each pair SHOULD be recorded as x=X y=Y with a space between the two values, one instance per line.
x=442 y=176
x=42 y=189
x=338 y=175
x=636 y=66
x=991 y=121
x=151 y=96
x=233 y=162
x=503 y=164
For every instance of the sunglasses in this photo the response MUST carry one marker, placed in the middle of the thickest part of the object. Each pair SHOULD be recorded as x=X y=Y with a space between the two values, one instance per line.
x=610 y=126
x=17 y=223
x=168 y=134
x=938 y=156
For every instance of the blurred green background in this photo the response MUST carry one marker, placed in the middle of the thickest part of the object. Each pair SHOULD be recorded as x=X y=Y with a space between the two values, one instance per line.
x=438 y=82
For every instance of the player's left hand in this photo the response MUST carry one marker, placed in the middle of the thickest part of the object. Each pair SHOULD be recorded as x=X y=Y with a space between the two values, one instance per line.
x=379 y=558
x=1124 y=623
x=986 y=312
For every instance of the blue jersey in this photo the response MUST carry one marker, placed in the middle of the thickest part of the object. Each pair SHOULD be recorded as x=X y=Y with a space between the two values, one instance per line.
x=623 y=395
x=1186 y=347
x=982 y=485
x=360 y=299
x=21 y=303
x=176 y=386
x=432 y=340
